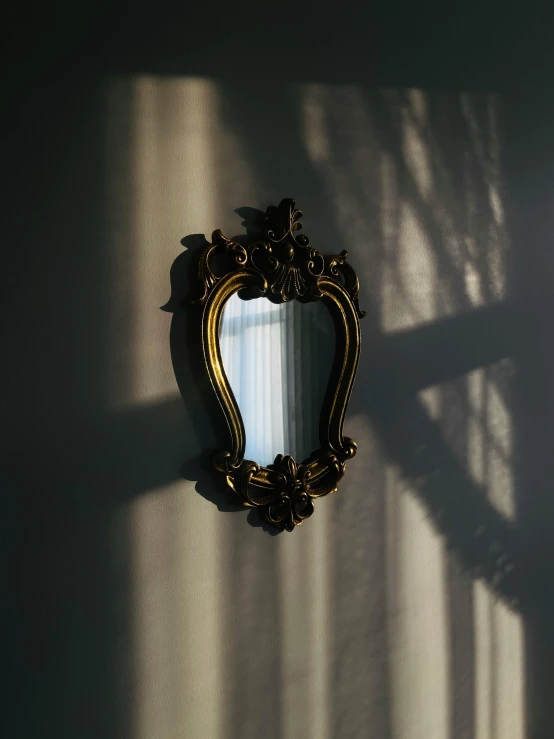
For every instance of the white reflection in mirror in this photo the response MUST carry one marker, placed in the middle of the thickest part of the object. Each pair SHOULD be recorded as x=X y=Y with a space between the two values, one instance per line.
x=278 y=360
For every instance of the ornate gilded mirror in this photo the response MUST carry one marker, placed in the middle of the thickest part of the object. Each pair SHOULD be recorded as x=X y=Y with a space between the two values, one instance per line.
x=311 y=313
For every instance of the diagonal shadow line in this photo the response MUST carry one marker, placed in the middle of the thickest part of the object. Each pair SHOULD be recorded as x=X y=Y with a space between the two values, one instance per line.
x=449 y=347
x=485 y=541
x=487 y=544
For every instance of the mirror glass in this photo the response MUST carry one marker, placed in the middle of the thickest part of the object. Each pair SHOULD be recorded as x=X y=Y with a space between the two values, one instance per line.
x=278 y=360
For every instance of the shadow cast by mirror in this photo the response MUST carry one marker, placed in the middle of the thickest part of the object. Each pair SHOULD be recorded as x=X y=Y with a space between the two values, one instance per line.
x=192 y=380
x=253 y=222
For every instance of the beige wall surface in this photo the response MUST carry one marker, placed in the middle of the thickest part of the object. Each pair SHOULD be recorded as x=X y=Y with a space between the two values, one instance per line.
x=161 y=616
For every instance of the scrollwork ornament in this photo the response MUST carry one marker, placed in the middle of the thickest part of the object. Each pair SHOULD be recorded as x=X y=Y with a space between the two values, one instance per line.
x=282 y=266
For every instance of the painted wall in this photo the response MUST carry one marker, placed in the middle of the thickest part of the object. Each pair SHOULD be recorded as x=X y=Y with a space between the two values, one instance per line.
x=146 y=606
x=360 y=623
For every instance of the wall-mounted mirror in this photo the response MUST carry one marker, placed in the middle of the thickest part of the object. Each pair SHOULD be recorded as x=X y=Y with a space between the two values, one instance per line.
x=281 y=340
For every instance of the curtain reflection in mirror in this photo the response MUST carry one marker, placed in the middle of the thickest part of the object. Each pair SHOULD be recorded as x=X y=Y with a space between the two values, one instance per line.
x=278 y=360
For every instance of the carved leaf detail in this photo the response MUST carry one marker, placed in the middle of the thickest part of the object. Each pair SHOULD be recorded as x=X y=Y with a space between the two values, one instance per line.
x=291 y=267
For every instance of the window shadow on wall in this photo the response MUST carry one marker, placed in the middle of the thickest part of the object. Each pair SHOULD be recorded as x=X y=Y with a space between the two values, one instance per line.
x=75 y=464
x=432 y=453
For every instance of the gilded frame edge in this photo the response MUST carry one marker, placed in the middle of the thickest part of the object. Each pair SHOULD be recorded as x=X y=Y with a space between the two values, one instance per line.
x=284 y=491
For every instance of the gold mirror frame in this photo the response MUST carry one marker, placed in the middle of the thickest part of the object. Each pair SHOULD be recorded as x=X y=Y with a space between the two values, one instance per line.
x=282 y=267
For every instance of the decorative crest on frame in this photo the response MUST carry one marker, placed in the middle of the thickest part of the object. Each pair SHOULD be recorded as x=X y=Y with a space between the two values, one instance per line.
x=288 y=267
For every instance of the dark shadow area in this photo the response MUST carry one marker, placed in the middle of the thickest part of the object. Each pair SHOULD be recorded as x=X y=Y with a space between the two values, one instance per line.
x=449 y=347
x=192 y=378
x=253 y=222
x=529 y=164
x=476 y=46
x=68 y=471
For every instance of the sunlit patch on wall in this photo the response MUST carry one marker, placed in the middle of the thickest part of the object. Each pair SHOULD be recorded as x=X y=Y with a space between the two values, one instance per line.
x=415 y=150
x=167 y=152
x=306 y=630
x=499 y=668
x=490 y=440
x=177 y=630
x=417 y=617
x=170 y=159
